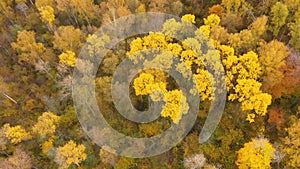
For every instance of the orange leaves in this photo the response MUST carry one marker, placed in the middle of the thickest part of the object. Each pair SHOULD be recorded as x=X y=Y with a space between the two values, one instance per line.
x=276 y=116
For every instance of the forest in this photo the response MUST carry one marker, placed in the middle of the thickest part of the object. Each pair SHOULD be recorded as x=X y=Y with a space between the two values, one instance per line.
x=226 y=72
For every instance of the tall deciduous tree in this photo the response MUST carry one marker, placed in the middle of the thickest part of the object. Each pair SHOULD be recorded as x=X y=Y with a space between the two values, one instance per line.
x=257 y=153
x=29 y=51
x=69 y=154
x=68 y=38
x=273 y=57
x=279 y=13
x=291 y=144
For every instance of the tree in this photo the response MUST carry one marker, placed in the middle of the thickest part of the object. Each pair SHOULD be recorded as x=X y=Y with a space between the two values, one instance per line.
x=248 y=92
x=67 y=38
x=242 y=76
x=197 y=161
x=46 y=125
x=279 y=13
x=273 y=57
x=291 y=143
x=42 y=3
x=257 y=153
x=15 y=134
x=294 y=28
x=79 y=9
x=69 y=154
x=47 y=15
x=20 y=159
x=28 y=49
x=68 y=58
x=216 y=9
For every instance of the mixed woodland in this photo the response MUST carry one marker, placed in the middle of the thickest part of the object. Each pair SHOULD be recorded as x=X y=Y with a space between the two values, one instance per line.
x=255 y=43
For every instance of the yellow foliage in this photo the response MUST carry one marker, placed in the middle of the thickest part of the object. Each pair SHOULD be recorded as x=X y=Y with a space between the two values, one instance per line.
x=41 y=3
x=141 y=8
x=69 y=154
x=15 y=134
x=257 y=153
x=204 y=81
x=291 y=144
x=205 y=29
x=272 y=57
x=46 y=125
x=248 y=92
x=176 y=105
x=68 y=58
x=189 y=18
x=47 y=14
x=67 y=38
x=144 y=84
x=212 y=21
x=28 y=50
x=47 y=146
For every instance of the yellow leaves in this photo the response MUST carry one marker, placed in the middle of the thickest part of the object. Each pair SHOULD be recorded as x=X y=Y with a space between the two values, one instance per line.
x=259 y=26
x=249 y=66
x=42 y=3
x=46 y=125
x=145 y=84
x=67 y=38
x=189 y=18
x=155 y=41
x=176 y=105
x=204 y=81
x=272 y=57
x=68 y=58
x=188 y=56
x=257 y=153
x=291 y=144
x=69 y=154
x=248 y=92
x=152 y=41
x=47 y=146
x=15 y=134
x=205 y=29
x=250 y=117
x=141 y=8
x=28 y=50
x=47 y=14
x=175 y=48
x=212 y=21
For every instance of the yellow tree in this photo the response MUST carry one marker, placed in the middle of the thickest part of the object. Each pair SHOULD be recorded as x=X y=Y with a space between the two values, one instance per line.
x=242 y=76
x=68 y=58
x=67 y=38
x=15 y=134
x=272 y=58
x=291 y=144
x=69 y=154
x=257 y=153
x=28 y=49
x=47 y=15
x=46 y=125
x=43 y=3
